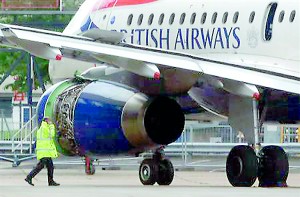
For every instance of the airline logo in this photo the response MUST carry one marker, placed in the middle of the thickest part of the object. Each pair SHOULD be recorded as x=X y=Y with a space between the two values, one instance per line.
x=186 y=38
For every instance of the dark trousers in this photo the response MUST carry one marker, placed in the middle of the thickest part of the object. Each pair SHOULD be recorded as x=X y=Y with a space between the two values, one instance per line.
x=47 y=161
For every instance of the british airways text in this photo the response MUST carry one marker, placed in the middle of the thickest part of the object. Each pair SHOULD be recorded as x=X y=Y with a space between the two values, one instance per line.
x=189 y=38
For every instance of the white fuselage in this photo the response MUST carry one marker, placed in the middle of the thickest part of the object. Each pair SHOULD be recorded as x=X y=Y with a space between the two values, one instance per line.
x=247 y=31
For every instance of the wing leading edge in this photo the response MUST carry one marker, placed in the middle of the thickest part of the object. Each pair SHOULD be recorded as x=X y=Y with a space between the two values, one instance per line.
x=137 y=59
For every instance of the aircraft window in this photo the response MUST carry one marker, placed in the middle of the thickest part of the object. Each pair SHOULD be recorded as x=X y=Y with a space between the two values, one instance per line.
x=269 y=21
x=225 y=16
x=150 y=20
x=203 y=18
x=193 y=18
x=214 y=18
x=235 y=17
x=281 y=16
x=182 y=18
x=292 y=16
x=161 y=19
x=140 y=20
x=171 y=20
x=129 y=21
x=252 y=16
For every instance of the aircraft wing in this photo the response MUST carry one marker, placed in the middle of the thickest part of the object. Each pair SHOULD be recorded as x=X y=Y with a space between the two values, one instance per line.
x=143 y=61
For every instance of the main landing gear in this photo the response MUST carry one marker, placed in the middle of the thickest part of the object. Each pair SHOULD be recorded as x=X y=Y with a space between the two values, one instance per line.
x=245 y=163
x=156 y=170
x=271 y=166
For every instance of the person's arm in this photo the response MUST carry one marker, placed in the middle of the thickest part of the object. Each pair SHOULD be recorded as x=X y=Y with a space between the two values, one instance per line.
x=52 y=130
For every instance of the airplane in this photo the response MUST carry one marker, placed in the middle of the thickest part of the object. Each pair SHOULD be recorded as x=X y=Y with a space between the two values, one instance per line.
x=145 y=66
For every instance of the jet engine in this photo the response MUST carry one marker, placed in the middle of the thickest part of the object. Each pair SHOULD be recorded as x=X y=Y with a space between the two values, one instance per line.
x=102 y=117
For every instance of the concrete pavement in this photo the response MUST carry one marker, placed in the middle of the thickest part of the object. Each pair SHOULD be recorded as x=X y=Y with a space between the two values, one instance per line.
x=120 y=183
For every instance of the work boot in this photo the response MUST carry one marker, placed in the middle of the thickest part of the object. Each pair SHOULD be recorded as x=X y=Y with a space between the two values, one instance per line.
x=29 y=181
x=53 y=183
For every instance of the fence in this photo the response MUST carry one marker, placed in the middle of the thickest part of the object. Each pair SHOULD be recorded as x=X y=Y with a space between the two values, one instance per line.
x=197 y=133
x=7 y=127
x=190 y=149
x=210 y=133
x=24 y=135
x=290 y=134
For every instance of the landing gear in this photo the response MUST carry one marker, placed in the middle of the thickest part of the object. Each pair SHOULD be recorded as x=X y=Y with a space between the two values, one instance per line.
x=156 y=170
x=165 y=172
x=89 y=166
x=148 y=172
x=242 y=166
x=271 y=166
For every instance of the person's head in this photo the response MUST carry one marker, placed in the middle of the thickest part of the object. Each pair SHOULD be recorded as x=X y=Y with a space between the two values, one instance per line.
x=47 y=119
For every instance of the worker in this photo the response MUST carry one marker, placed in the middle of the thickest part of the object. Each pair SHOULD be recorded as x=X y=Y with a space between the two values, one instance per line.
x=45 y=151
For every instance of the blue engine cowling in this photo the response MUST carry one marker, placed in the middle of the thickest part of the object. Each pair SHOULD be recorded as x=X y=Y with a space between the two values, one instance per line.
x=102 y=117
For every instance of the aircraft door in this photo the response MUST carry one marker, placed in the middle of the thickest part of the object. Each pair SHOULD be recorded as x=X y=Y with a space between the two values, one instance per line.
x=269 y=18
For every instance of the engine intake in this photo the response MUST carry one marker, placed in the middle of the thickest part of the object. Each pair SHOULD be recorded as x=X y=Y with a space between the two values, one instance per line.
x=152 y=121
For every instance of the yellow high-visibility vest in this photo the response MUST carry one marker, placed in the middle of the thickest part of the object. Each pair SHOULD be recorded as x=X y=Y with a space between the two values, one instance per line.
x=45 y=146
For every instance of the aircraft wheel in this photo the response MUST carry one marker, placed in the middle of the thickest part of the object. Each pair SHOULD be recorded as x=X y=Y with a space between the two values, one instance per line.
x=89 y=166
x=241 y=166
x=273 y=167
x=148 y=172
x=165 y=172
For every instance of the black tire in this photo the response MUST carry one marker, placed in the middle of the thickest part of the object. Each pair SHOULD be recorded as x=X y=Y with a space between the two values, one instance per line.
x=242 y=166
x=166 y=172
x=148 y=172
x=273 y=167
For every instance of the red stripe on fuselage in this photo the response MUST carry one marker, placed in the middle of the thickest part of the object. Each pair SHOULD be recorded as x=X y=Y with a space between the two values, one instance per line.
x=111 y=3
x=133 y=2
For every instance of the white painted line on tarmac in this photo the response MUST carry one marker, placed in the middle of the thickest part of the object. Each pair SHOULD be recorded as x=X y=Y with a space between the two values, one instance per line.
x=218 y=170
x=294 y=166
x=206 y=165
x=200 y=161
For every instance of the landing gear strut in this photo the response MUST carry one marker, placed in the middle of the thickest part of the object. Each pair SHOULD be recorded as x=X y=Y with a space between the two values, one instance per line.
x=270 y=166
x=156 y=170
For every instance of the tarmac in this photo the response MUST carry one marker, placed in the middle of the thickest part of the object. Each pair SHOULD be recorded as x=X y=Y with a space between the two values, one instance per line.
x=118 y=183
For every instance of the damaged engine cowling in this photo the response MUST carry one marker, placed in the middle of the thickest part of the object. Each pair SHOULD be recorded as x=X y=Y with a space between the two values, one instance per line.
x=102 y=117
